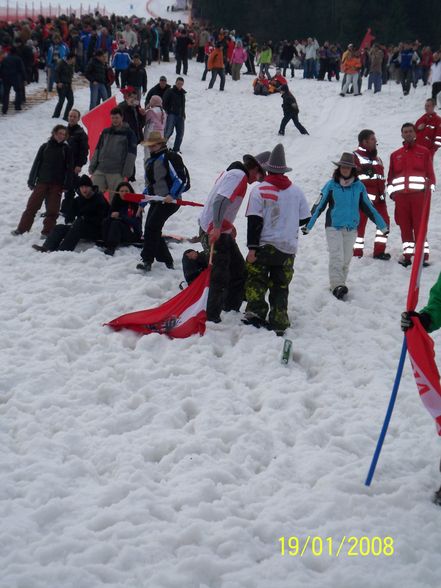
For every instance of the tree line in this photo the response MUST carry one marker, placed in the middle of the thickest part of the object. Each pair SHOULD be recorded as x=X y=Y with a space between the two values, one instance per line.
x=342 y=21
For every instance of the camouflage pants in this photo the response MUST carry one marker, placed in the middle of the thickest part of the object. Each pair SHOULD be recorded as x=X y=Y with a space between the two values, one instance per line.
x=273 y=271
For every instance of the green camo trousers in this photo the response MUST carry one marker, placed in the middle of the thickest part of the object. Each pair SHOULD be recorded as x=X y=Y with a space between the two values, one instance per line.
x=273 y=271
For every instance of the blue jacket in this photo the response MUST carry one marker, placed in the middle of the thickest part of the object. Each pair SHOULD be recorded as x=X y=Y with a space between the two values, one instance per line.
x=121 y=59
x=406 y=57
x=344 y=205
x=60 y=51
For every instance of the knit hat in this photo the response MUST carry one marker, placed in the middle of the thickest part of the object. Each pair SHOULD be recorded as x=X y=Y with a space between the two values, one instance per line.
x=284 y=88
x=85 y=181
x=155 y=101
x=277 y=161
x=154 y=138
x=346 y=159
x=162 y=79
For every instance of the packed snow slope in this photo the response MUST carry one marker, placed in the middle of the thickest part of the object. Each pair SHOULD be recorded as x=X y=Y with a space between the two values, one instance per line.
x=133 y=461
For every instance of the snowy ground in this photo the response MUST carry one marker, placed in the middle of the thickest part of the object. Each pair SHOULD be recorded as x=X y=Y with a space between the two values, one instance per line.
x=139 y=461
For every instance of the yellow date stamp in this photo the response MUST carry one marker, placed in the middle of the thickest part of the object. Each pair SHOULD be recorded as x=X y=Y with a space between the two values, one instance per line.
x=347 y=546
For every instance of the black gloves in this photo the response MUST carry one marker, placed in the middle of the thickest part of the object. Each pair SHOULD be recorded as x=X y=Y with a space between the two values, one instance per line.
x=305 y=230
x=406 y=321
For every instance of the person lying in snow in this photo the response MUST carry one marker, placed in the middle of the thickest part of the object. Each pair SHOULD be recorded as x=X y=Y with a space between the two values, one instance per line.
x=89 y=209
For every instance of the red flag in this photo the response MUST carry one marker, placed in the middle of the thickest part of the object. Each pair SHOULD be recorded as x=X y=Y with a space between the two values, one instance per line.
x=137 y=198
x=182 y=316
x=367 y=40
x=96 y=120
x=420 y=345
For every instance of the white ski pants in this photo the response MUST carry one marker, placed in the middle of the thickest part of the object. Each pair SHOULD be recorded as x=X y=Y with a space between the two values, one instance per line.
x=340 y=245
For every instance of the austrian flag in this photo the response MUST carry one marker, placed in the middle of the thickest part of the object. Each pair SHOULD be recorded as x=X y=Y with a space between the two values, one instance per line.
x=182 y=316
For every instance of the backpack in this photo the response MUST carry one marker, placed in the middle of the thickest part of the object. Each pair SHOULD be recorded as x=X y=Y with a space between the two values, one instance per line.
x=179 y=176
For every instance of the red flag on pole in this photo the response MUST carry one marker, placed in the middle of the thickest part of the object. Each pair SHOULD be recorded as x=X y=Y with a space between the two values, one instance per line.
x=420 y=344
x=367 y=40
x=96 y=120
x=180 y=317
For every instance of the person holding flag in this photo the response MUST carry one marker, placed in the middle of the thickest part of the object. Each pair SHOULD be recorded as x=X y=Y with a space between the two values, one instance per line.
x=429 y=318
x=217 y=229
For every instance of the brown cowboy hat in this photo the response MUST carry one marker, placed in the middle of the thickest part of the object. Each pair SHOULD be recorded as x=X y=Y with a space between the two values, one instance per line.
x=154 y=138
x=347 y=160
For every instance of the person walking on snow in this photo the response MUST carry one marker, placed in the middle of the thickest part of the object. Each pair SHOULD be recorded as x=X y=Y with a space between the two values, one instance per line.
x=344 y=196
x=410 y=176
x=216 y=65
x=428 y=128
x=371 y=173
x=275 y=210
x=290 y=111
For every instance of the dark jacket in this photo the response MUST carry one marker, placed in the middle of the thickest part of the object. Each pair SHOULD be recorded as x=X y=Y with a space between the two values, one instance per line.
x=78 y=141
x=174 y=101
x=12 y=69
x=136 y=76
x=289 y=104
x=135 y=120
x=94 y=210
x=156 y=91
x=127 y=214
x=53 y=164
x=183 y=42
x=96 y=71
x=64 y=73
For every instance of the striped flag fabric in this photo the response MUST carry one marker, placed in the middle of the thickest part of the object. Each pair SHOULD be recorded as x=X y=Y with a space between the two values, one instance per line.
x=420 y=345
x=182 y=316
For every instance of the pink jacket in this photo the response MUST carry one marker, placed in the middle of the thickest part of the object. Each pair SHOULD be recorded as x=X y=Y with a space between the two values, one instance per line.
x=155 y=120
x=239 y=55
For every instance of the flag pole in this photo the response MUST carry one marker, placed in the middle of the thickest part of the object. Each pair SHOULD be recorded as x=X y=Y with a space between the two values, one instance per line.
x=388 y=416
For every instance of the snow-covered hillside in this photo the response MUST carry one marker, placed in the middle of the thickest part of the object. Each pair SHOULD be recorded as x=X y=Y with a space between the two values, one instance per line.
x=142 y=462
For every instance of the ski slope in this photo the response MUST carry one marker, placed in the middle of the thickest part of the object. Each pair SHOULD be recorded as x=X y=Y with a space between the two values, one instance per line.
x=139 y=461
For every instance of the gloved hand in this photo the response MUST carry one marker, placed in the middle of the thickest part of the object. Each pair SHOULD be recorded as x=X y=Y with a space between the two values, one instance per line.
x=406 y=322
x=305 y=230
x=386 y=231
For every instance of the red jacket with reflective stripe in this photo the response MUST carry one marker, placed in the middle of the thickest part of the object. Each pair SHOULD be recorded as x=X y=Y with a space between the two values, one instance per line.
x=410 y=170
x=371 y=173
x=428 y=129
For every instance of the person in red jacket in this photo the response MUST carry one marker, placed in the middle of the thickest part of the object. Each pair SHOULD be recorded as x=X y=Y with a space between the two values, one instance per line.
x=410 y=178
x=371 y=173
x=428 y=128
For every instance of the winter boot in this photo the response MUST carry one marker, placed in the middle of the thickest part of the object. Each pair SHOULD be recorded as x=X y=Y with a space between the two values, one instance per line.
x=144 y=266
x=252 y=319
x=405 y=261
x=383 y=256
x=340 y=292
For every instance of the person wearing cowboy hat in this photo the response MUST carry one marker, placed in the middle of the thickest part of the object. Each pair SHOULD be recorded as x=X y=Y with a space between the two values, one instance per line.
x=276 y=209
x=217 y=229
x=166 y=176
x=344 y=196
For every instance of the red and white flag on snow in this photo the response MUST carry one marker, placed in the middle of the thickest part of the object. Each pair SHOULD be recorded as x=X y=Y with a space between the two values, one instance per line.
x=182 y=316
x=420 y=345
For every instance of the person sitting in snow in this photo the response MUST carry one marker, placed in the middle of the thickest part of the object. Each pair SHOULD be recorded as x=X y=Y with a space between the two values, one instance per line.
x=89 y=209
x=277 y=81
x=123 y=226
x=261 y=85
x=276 y=209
